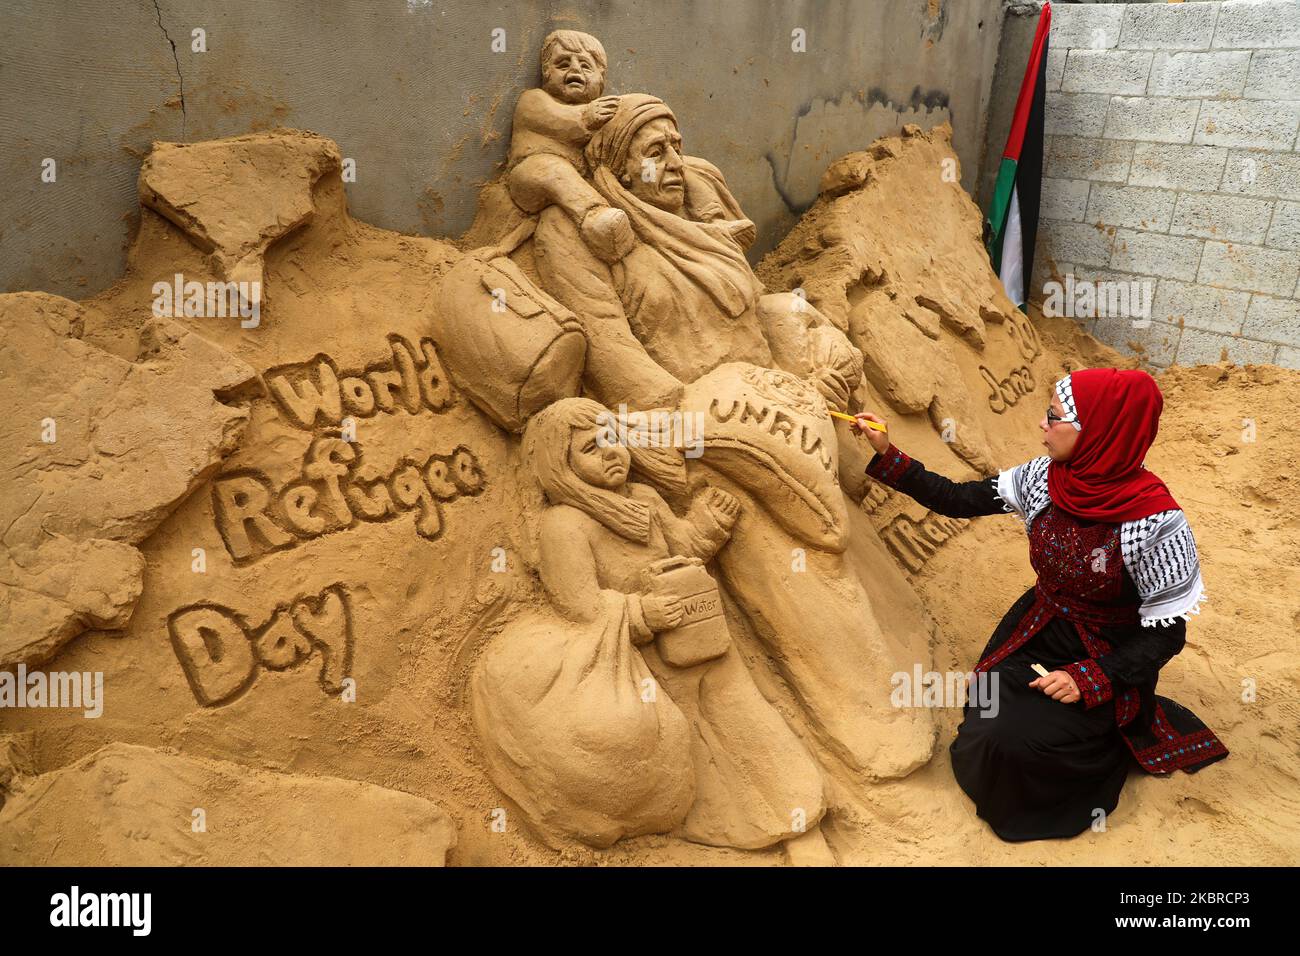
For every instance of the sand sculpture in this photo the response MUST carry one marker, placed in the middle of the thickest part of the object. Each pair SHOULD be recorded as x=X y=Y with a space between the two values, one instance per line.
x=678 y=324
x=264 y=818
x=370 y=548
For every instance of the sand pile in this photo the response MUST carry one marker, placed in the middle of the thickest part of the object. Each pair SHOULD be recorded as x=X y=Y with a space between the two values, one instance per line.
x=287 y=541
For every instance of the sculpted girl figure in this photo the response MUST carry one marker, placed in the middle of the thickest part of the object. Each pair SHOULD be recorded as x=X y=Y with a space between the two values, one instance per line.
x=755 y=783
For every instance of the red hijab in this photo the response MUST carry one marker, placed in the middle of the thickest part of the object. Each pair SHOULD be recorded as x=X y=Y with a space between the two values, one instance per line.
x=1119 y=414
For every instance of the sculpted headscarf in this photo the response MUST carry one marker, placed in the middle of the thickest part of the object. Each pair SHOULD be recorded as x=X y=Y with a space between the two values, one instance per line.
x=1117 y=413
x=702 y=251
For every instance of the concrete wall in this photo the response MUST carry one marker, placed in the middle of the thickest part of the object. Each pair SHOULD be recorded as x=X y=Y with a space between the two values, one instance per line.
x=1171 y=160
x=412 y=91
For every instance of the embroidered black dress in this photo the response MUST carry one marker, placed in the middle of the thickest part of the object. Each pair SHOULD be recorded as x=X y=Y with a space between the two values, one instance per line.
x=1035 y=767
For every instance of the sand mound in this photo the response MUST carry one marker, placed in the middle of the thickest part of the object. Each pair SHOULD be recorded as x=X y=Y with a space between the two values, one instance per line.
x=118 y=806
x=316 y=499
x=109 y=466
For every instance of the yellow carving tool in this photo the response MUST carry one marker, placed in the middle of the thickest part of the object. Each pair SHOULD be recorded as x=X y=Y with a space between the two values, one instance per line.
x=861 y=421
x=1038 y=669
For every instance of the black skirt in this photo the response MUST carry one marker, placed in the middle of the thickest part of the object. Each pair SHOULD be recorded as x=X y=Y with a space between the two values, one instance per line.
x=1038 y=768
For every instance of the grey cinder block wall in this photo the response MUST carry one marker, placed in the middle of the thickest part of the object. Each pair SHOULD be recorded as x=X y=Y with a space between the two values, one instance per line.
x=1171 y=160
x=414 y=92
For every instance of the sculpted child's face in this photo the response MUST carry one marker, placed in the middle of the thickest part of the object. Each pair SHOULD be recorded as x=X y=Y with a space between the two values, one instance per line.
x=603 y=464
x=654 y=166
x=572 y=76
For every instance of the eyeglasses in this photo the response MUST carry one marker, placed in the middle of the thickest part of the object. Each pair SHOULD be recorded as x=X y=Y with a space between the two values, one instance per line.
x=1053 y=418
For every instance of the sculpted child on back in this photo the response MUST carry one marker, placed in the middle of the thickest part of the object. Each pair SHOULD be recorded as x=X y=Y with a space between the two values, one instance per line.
x=552 y=125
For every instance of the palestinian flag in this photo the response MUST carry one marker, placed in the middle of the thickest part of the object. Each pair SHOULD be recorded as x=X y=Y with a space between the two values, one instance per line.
x=1013 y=214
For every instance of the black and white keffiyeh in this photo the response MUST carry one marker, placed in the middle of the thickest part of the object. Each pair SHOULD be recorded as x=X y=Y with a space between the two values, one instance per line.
x=1065 y=393
x=1023 y=489
x=1159 y=550
x=1160 y=554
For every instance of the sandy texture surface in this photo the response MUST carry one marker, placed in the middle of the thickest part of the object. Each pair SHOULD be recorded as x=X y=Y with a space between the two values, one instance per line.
x=353 y=585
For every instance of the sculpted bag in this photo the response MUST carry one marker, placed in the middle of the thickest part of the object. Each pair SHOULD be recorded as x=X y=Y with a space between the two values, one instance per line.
x=510 y=347
x=570 y=732
x=769 y=431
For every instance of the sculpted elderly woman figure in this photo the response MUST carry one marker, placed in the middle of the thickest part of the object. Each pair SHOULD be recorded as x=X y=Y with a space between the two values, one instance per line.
x=684 y=300
x=681 y=321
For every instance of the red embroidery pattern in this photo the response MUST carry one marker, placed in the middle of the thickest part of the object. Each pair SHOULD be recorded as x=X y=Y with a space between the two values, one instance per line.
x=1094 y=686
x=1033 y=621
x=1080 y=578
x=1127 y=707
x=1130 y=702
x=1079 y=569
x=890 y=466
x=1177 y=750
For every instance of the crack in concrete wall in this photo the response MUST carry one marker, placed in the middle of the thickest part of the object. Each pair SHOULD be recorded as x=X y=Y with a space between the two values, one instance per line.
x=180 y=78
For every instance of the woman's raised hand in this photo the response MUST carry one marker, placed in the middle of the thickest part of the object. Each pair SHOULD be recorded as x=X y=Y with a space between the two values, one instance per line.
x=879 y=439
x=834 y=388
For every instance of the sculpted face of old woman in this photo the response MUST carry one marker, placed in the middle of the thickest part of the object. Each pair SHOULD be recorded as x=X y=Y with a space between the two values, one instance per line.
x=654 y=170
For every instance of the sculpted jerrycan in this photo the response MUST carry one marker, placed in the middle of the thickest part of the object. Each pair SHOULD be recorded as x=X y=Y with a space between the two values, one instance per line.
x=702 y=634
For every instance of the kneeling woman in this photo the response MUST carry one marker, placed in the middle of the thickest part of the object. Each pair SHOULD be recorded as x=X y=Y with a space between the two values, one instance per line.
x=1117 y=577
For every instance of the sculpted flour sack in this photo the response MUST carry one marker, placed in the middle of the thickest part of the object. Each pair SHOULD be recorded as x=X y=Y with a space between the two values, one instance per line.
x=576 y=730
